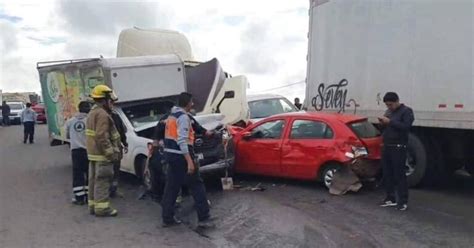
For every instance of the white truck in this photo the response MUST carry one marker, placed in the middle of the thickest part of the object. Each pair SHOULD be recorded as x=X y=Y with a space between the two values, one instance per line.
x=423 y=50
x=147 y=87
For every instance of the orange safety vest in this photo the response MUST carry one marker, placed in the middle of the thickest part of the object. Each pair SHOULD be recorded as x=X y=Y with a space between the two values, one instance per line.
x=171 y=134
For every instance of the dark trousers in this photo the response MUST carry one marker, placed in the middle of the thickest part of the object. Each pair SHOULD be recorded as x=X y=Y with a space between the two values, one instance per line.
x=6 y=120
x=177 y=177
x=80 y=167
x=29 y=131
x=115 y=178
x=157 y=165
x=394 y=177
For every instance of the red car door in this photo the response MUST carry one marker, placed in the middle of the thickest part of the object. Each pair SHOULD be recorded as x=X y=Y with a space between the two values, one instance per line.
x=260 y=152
x=308 y=146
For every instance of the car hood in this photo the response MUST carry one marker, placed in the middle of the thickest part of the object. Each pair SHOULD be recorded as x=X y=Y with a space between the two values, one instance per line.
x=208 y=121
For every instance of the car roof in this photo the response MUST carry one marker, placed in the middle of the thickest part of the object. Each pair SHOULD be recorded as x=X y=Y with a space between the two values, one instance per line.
x=256 y=97
x=345 y=118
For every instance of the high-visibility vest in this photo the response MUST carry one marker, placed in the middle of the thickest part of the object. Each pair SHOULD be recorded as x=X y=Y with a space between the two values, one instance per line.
x=171 y=134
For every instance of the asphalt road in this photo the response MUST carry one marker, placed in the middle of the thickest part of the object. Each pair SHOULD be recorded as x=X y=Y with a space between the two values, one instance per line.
x=35 y=211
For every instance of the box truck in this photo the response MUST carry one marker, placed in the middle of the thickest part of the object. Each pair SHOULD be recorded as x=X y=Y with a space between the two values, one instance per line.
x=423 y=50
x=146 y=87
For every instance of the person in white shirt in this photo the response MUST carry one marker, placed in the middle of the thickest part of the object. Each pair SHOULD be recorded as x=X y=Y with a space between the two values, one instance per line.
x=28 y=118
x=76 y=133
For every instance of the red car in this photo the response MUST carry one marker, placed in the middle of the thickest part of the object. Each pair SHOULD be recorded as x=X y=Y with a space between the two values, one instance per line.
x=304 y=145
x=39 y=109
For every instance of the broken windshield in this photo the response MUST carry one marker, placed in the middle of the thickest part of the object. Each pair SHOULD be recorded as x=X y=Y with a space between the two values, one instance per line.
x=145 y=113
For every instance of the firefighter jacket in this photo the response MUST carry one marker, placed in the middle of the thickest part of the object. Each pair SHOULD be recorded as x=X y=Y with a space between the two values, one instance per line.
x=102 y=137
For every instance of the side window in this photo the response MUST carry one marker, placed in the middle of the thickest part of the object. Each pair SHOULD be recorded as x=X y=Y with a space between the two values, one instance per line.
x=306 y=129
x=269 y=130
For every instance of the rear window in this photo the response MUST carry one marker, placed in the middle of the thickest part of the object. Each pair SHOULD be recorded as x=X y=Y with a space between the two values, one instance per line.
x=364 y=129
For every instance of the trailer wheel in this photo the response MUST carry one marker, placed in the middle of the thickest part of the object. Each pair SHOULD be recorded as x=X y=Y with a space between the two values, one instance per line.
x=416 y=162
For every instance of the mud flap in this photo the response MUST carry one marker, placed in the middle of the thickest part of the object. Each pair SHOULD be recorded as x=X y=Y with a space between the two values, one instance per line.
x=344 y=180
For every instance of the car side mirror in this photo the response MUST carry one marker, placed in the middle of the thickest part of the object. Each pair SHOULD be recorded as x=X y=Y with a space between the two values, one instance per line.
x=227 y=95
x=247 y=135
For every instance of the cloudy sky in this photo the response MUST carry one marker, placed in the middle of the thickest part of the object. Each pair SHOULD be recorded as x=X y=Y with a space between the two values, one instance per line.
x=262 y=39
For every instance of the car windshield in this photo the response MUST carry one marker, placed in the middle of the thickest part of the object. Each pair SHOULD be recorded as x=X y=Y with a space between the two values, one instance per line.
x=364 y=129
x=146 y=113
x=15 y=106
x=268 y=107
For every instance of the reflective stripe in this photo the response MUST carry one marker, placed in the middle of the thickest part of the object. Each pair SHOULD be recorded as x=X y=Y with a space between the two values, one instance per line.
x=109 y=150
x=91 y=203
x=80 y=193
x=99 y=158
x=173 y=151
x=102 y=205
x=78 y=188
x=90 y=132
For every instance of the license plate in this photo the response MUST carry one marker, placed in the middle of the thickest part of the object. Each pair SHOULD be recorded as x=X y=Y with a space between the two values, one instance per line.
x=360 y=152
x=200 y=156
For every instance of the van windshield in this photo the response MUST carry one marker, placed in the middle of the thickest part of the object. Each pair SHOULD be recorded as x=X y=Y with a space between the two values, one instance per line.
x=146 y=113
x=15 y=106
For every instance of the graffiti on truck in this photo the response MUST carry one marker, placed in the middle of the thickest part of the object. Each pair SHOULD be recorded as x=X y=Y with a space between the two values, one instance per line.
x=334 y=97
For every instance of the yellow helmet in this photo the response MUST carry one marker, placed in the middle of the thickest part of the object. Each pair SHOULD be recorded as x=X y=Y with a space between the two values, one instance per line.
x=102 y=91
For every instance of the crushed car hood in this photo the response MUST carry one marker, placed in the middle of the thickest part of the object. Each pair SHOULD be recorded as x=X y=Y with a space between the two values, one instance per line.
x=209 y=121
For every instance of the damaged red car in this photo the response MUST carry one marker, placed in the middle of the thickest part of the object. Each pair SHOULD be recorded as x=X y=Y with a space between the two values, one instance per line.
x=304 y=145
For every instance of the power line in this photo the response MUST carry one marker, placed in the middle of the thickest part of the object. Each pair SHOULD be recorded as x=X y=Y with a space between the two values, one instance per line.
x=284 y=86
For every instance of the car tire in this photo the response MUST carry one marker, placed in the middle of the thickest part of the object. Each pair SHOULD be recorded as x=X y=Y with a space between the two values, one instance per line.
x=416 y=164
x=327 y=174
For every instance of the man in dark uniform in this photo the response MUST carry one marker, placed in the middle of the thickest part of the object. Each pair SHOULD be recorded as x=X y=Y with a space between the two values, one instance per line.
x=5 y=114
x=396 y=123
x=122 y=130
x=182 y=169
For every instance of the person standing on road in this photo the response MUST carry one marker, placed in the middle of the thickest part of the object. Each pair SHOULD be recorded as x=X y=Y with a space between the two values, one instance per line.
x=298 y=104
x=182 y=169
x=28 y=118
x=123 y=139
x=5 y=114
x=103 y=150
x=76 y=133
x=396 y=123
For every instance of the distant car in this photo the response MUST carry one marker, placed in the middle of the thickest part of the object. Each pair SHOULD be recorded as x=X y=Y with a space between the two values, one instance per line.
x=39 y=109
x=265 y=105
x=304 y=145
x=15 y=111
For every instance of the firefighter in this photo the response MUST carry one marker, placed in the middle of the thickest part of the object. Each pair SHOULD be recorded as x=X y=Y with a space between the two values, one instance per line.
x=103 y=150
x=75 y=131
x=182 y=169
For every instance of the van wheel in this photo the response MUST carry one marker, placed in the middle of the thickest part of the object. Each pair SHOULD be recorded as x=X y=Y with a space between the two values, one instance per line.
x=416 y=162
x=327 y=174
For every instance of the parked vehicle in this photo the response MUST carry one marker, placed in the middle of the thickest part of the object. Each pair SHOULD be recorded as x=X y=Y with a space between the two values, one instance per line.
x=140 y=106
x=265 y=105
x=39 y=109
x=306 y=146
x=359 y=50
x=15 y=111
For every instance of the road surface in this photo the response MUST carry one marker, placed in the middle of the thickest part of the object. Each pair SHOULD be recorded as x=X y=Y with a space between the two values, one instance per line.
x=35 y=211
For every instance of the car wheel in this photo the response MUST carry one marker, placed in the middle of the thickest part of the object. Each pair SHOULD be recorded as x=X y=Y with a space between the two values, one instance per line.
x=327 y=174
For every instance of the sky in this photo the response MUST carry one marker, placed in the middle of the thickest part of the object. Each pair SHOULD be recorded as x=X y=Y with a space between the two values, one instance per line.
x=264 y=40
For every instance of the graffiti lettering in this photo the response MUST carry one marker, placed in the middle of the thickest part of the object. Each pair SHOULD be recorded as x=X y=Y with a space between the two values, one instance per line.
x=331 y=97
